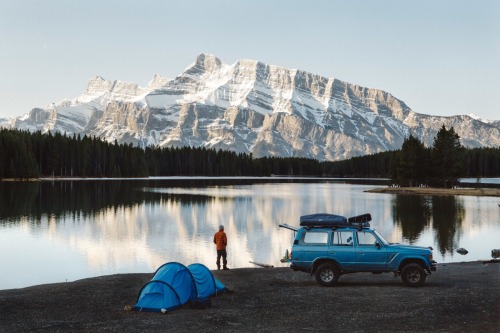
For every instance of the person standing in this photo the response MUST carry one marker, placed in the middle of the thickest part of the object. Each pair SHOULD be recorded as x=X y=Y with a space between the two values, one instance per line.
x=220 y=240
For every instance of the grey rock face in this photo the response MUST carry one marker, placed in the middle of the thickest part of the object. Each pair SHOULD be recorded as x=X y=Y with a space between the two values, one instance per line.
x=254 y=108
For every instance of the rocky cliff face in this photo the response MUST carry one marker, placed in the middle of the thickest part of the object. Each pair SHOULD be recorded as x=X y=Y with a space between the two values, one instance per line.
x=254 y=108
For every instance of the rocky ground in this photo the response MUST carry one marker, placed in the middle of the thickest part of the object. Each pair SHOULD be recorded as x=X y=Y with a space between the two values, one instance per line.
x=461 y=297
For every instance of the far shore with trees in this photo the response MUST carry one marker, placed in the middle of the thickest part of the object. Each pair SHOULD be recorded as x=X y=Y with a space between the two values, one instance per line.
x=27 y=155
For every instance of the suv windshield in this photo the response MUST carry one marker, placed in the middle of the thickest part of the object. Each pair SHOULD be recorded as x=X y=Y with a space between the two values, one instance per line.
x=382 y=239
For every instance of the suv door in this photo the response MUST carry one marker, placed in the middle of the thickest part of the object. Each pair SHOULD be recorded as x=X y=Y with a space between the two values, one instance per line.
x=342 y=249
x=310 y=245
x=371 y=254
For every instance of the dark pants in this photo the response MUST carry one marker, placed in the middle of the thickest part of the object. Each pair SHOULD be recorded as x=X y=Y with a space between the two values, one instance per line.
x=223 y=254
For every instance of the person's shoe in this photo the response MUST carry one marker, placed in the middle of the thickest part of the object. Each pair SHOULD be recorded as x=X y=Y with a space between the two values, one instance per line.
x=225 y=268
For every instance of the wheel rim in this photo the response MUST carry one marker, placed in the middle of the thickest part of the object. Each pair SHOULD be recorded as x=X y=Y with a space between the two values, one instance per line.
x=413 y=276
x=327 y=275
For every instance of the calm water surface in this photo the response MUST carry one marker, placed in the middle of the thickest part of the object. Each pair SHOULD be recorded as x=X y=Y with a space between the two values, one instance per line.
x=56 y=231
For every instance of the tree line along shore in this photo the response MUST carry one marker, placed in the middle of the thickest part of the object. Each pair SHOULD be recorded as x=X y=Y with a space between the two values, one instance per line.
x=26 y=155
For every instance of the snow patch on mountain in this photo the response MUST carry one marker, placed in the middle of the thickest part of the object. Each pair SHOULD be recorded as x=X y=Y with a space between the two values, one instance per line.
x=486 y=121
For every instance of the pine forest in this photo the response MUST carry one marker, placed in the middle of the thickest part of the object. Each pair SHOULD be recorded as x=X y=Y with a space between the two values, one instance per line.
x=25 y=155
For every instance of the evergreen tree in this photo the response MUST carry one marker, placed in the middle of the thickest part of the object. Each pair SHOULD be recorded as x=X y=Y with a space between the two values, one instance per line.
x=17 y=159
x=447 y=158
x=412 y=163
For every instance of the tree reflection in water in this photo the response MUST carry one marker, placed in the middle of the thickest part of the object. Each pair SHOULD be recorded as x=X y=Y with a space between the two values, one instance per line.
x=34 y=199
x=38 y=198
x=414 y=214
x=447 y=216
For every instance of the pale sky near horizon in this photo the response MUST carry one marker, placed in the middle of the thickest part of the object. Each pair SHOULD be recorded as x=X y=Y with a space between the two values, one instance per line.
x=441 y=57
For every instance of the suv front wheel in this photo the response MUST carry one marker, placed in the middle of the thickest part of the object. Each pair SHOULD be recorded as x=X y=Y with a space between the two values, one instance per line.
x=413 y=275
x=327 y=274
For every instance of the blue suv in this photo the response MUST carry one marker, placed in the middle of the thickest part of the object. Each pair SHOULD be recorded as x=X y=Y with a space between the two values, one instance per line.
x=328 y=246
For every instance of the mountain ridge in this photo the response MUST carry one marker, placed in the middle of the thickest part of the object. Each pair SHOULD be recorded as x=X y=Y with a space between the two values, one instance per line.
x=250 y=107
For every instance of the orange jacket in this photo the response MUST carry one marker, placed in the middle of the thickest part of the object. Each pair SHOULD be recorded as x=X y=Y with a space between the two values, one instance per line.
x=220 y=240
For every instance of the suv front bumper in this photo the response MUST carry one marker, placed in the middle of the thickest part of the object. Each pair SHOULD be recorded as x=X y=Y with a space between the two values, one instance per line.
x=433 y=266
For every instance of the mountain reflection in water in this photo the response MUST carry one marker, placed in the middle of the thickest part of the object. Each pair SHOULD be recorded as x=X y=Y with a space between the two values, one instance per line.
x=70 y=229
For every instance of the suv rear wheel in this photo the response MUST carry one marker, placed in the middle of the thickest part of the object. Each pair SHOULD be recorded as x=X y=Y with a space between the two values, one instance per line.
x=413 y=275
x=327 y=274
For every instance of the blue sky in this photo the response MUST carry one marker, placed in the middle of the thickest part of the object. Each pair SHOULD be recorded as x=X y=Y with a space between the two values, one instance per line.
x=441 y=57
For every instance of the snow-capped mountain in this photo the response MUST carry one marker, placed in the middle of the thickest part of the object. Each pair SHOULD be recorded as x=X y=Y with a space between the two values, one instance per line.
x=254 y=108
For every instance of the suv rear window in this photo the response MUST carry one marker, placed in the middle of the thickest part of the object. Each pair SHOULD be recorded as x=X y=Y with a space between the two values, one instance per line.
x=315 y=238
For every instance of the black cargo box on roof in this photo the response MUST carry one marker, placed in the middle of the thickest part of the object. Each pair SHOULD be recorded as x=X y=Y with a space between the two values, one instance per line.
x=331 y=220
x=360 y=218
x=323 y=220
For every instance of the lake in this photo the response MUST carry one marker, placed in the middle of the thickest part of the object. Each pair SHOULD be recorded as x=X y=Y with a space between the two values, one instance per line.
x=64 y=230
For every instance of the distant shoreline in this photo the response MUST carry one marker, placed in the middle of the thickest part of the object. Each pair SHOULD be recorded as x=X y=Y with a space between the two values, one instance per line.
x=488 y=192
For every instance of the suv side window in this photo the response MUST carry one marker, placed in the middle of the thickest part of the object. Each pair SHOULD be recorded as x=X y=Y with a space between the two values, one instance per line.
x=342 y=238
x=315 y=238
x=366 y=238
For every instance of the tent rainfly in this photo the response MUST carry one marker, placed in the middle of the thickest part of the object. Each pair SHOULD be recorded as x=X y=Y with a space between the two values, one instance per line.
x=175 y=284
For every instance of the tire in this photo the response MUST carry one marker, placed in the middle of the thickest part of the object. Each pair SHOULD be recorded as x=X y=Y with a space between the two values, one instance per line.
x=413 y=275
x=327 y=274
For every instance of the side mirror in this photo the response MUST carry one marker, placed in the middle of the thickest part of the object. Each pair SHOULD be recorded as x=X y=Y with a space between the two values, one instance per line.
x=378 y=245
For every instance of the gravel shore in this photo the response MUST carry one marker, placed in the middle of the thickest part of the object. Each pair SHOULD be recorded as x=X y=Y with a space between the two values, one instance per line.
x=458 y=297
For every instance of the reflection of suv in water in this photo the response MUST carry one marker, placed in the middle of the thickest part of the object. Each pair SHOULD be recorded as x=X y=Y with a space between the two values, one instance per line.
x=329 y=245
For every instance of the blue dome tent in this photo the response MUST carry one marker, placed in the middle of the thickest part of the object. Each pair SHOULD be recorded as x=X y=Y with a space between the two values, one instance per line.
x=204 y=280
x=157 y=295
x=179 y=278
x=175 y=284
